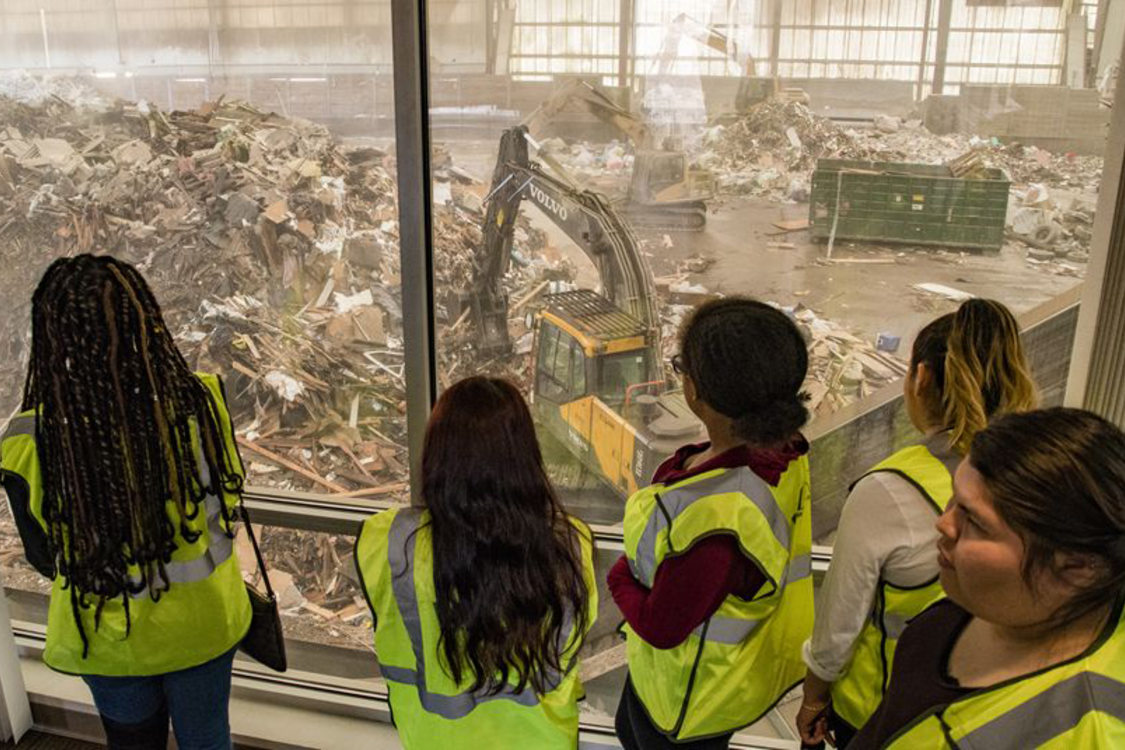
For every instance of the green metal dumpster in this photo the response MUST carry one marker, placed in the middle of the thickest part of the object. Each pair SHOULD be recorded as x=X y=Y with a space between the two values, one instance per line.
x=919 y=204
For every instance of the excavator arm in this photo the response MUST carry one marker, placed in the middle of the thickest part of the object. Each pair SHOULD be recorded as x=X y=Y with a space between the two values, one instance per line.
x=665 y=191
x=751 y=88
x=582 y=94
x=585 y=216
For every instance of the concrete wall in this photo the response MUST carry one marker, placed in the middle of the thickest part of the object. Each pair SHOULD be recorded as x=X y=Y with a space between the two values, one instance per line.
x=110 y=34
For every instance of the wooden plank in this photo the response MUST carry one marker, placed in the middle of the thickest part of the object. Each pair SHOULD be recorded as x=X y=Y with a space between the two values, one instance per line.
x=792 y=225
x=282 y=461
x=385 y=489
x=602 y=663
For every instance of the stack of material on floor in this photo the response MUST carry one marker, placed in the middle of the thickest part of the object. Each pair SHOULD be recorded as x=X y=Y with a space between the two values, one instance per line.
x=774 y=144
x=273 y=250
x=843 y=368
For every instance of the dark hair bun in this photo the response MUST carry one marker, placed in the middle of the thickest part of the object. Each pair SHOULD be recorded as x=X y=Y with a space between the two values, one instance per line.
x=748 y=361
x=775 y=422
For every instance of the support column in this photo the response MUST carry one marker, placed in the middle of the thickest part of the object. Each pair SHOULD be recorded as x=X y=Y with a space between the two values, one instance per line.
x=945 y=17
x=775 y=38
x=925 y=49
x=412 y=147
x=626 y=33
x=214 y=53
x=1097 y=368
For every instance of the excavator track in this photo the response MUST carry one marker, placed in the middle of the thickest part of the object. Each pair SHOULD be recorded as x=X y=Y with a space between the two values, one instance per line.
x=666 y=219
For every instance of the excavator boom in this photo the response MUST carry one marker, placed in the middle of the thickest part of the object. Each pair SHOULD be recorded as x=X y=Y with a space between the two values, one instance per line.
x=585 y=216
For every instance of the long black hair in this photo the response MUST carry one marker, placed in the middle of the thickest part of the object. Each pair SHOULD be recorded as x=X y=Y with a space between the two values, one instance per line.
x=1057 y=477
x=508 y=571
x=748 y=361
x=116 y=404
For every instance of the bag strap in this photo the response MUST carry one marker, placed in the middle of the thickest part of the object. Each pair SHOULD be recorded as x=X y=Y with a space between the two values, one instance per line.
x=257 y=552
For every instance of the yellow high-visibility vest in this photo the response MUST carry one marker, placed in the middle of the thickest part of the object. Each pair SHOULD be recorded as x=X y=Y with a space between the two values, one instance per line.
x=394 y=557
x=735 y=666
x=205 y=611
x=1078 y=704
x=860 y=689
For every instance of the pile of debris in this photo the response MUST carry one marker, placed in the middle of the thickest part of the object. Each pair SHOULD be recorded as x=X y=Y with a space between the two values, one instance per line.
x=772 y=149
x=843 y=367
x=775 y=145
x=274 y=253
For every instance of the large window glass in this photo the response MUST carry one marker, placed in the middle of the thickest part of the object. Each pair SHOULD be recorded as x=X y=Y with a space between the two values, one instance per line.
x=863 y=166
x=241 y=155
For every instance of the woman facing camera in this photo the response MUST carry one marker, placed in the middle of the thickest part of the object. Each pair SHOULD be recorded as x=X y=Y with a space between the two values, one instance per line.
x=1029 y=649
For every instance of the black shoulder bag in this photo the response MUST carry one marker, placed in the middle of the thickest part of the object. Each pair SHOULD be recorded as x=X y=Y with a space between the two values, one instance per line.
x=265 y=641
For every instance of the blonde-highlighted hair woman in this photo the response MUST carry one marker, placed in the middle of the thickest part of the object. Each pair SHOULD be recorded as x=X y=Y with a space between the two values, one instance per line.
x=965 y=368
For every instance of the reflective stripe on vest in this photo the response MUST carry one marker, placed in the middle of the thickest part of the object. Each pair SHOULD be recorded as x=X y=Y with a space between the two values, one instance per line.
x=732 y=630
x=893 y=625
x=674 y=502
x=1052 y=712
x=219 y=547
x=23 y=424
x=400 y=554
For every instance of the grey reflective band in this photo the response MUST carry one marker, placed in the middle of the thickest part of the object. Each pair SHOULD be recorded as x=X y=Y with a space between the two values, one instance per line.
x=219 y=549
x=20 y=425
x=894 y=625
x=728 y=630
x=800 y=568
x=1056 y=710
x=400 y=556
x=675 y=501
x=734 y=630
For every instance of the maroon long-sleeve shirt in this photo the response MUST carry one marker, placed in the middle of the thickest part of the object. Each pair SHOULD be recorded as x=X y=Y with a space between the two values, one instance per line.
x=691 y=586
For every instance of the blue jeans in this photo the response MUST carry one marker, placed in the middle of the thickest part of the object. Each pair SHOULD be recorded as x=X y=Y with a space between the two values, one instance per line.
x=135 y=710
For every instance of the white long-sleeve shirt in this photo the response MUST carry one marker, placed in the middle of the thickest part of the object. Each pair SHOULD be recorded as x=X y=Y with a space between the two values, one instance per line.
x=886 y=532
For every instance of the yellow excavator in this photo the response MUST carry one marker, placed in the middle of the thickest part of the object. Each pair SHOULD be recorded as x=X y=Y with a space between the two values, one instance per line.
x=599 y=387
x=665 y=191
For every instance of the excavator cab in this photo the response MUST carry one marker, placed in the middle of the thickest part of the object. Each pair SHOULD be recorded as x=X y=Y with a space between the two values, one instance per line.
x=598 y=387
x=664 y=177
x=586 y=346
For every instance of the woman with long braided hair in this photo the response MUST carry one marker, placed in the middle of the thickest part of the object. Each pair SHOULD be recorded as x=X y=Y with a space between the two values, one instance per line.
x=123 y=477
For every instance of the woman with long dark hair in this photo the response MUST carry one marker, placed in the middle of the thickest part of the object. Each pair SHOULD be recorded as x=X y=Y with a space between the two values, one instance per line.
x=123 y=478
x=715 y=584
x=1029 y=648
x=482 y=596
x=966 y=367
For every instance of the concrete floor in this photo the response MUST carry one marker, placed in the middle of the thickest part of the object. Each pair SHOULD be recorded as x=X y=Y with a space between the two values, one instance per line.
x=863 y=297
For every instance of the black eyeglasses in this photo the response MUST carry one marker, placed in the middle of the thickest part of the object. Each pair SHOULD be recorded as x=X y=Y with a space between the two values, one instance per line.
x=677 y=363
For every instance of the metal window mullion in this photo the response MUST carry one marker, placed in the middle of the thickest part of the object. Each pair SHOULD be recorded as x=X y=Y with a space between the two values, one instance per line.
x=415 y=215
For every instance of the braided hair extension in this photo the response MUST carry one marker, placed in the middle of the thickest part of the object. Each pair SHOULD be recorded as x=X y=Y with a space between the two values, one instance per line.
x=117 y=404
x=748 y=361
